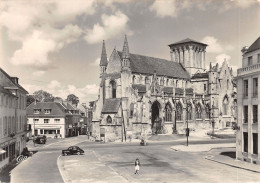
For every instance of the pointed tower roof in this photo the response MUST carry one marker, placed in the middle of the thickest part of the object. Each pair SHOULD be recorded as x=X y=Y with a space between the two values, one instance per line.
x=103 y=60
x=125 y=53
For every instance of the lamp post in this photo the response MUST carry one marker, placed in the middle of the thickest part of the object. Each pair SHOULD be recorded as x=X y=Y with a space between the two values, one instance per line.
x=34 y=133
x=188 y=108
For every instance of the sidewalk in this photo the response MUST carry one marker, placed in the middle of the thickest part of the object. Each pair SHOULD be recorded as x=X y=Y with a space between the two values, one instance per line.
x=200 y=147
x=231 y=161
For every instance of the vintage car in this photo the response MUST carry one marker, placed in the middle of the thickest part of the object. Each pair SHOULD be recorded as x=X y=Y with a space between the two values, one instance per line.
x=41 y=139
x=72 y=150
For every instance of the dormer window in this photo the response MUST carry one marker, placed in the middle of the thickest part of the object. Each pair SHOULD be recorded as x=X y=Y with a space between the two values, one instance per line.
x=37 y=111
x=47 y=111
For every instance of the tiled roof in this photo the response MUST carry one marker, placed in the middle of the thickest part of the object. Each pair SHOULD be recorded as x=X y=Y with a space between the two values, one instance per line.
x=111 y=105
x=188 y=40
x=254 y=46
x=141 y=88
x=168 y=90
x=12 y=84
x=200 y=75
x=56 y=109
x=147 y=65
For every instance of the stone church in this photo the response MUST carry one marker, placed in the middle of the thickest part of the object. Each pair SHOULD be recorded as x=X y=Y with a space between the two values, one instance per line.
x=141 y=95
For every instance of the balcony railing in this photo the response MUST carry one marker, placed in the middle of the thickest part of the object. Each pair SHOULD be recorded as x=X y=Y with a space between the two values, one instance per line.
x=248 y=69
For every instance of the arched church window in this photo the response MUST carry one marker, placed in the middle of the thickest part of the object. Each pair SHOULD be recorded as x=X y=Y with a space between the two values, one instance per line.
x=109 y=119
x=189 y=114
x=178 y=111
x=225 y=105
x=131 y=110
x=207 y=112
x=168 y=112
x=113 y=88
x=198 y=111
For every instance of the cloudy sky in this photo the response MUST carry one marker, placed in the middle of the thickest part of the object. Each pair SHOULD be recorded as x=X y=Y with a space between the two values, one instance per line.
x=55 y=45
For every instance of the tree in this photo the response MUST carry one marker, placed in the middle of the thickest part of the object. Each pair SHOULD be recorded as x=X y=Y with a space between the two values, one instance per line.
x=73 y=98
x=30 y=99
x=43 y=96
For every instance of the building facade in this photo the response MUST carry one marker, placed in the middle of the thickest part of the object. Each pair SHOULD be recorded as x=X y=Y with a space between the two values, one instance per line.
x=13 y=124
x=142 y=95
x=247 y=139
x=53 y=119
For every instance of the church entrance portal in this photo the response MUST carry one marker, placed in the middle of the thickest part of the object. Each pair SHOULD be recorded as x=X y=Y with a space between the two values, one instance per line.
x=156 y=121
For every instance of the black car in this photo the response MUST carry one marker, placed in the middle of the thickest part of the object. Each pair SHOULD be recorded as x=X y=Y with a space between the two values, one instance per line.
x=72 y=150
x=41 y=139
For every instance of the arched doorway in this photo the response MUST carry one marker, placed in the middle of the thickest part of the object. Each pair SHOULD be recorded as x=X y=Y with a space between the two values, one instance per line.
x=156 y=121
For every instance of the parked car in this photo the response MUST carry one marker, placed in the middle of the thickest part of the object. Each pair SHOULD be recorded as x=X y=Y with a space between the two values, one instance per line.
x=72 y=150
x=41 y=139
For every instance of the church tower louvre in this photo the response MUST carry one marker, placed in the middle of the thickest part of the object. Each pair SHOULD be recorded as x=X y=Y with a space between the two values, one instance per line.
x=189 y=53
x=103 y=60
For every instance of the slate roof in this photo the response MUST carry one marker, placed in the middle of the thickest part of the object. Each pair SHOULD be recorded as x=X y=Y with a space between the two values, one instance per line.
x=168 y=90
x=188 y=40
x=12 y=84
x=111 y=105
x=254 y=46
x=147 y=65
x=56 y=109
x=200 y=75
x=141 y=88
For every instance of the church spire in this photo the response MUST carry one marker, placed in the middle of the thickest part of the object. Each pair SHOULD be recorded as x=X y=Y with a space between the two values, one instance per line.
x=103 y=60
x=125 y=53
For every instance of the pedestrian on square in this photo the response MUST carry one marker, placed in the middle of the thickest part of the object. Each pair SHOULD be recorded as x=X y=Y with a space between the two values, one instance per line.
x=137 y=166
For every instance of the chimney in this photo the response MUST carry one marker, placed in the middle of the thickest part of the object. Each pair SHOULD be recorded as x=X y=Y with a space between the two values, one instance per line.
x=15 y=79
x=244 y=49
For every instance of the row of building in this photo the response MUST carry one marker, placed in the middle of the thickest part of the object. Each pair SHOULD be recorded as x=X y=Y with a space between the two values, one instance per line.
x=58 y=119
x=17 y=122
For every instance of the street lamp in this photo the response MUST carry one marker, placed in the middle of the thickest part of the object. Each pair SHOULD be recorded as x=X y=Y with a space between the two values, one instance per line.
x=188 y=108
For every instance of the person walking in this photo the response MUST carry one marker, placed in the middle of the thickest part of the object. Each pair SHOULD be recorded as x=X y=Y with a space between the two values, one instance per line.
x=137 y=166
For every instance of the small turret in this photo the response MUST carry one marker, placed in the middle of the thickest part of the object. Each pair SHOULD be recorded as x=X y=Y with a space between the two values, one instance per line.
x=125 y=55
x=103 y=59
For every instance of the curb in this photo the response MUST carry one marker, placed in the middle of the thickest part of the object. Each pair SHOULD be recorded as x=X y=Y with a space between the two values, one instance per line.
x=234 y=166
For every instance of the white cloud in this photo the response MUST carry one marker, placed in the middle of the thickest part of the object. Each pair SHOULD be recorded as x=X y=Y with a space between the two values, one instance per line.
x=221 y=58
x=38 y=73
x=213 y=44
x=245 y=3
x=112 y=25
x=96 y=62
x=54 y=84
x=165 y=8
x=42 y=27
